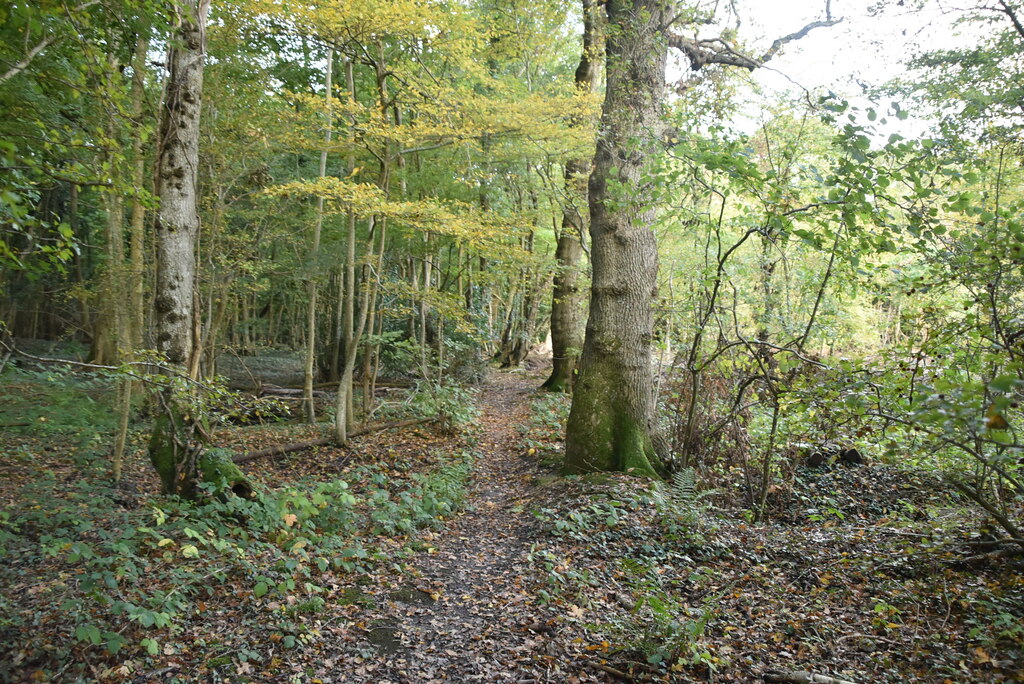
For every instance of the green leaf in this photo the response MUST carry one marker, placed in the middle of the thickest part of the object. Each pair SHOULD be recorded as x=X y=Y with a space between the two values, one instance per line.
x=152 y=648
x=89 y=633
x=261 y=589
x=1002 y=383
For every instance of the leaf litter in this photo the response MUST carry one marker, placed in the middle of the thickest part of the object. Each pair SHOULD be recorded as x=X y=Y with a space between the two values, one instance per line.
x=869 y=574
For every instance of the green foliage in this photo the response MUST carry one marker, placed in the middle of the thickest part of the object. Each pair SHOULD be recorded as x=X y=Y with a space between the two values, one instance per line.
x=57 y=401
x=683 y=509
x=453 y=405
x=581 y=523
x=640 y=566
x=140 y=573
x=665 y=630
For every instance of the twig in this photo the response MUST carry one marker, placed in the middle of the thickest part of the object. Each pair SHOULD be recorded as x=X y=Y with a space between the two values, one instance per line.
x=618 y=674
x=869 y=636
x=155 y=673
x=801 y=678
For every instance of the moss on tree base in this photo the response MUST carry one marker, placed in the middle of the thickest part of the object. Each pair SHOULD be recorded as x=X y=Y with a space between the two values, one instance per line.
x=217 y=468
x=606 y=438
x=183 y=465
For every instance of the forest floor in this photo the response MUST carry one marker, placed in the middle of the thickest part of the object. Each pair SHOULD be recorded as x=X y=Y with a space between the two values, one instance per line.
x=510 y=574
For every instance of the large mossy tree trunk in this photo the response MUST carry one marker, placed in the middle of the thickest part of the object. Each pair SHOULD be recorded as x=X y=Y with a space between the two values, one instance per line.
x=567 y=320
x=612 y=420
x=173 y=451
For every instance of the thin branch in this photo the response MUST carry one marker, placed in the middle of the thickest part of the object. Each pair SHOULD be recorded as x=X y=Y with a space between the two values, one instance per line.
x=23 y=64
x=39 y=47
x=706 y=51
x=1009 y=12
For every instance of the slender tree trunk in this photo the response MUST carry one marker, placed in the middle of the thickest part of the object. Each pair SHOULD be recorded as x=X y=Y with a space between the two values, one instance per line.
x=567 y=320
x=350 y=341
x=343 y=407
x=109 y=336
x=428 y=269
x=308 y=405
x=137 y=264
x=612 y=420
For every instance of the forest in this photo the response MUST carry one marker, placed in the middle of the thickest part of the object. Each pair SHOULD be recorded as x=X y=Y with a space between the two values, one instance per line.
x=511 y=341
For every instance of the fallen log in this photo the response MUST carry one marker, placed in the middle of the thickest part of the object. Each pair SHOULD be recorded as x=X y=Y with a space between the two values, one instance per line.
x=323 y=441
x=801 y=678
x=285 y=392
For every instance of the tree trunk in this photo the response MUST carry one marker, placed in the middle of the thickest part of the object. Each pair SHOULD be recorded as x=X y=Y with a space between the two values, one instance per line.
x=567 y=329
x=138 y=209
x=308 y=405
x=174 y=450
x=612 y=420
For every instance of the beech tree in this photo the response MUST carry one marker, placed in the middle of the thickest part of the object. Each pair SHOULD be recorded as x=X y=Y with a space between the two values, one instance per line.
x=567 y=296
x=612 y=423
x=177 y=224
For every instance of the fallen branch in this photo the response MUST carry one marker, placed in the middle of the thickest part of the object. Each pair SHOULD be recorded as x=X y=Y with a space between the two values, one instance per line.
x=975 y=496
x=801 y=678
x=998 y=554
x=873 y=637
x=324 y=441
x=286 y=392
x=618 y=674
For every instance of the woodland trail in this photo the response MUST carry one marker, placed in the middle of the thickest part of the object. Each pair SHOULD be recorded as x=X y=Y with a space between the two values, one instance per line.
x=469 y=617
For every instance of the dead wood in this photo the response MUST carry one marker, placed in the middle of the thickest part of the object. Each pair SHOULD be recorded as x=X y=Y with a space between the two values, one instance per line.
x=617 y=674
x=286 y=392
x=997 y=555
x=797 y=677
x=282 y=449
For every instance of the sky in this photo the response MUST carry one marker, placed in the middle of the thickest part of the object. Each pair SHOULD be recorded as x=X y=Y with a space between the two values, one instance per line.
x=864 y=51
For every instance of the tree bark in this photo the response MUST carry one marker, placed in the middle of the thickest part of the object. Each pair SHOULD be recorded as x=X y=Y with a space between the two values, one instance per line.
x=308 y=404
x=174 y=450
x=177 y=223
x=612 y=420
x=567 y=321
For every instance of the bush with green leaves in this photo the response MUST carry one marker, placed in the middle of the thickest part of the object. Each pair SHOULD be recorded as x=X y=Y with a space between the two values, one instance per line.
x=454 y=406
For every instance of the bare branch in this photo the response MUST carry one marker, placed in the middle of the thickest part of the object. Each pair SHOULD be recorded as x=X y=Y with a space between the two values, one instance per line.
x=705 y=51
x=23 y=64
x=39 y=47
x=1009 y=12
x=781 y=42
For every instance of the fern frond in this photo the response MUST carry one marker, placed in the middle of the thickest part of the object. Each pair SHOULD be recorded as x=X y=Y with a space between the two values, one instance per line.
x=684 y=485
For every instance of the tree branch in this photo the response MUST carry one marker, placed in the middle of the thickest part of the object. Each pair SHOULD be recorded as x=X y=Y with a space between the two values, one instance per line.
x=39 y=47
x=1014 y=19
x=702 y=52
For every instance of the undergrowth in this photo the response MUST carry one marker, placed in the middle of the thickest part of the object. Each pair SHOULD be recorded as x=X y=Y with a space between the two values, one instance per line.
x=653 y=531
x=116 y=582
